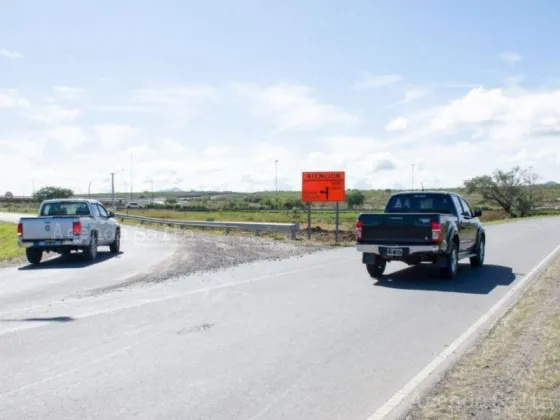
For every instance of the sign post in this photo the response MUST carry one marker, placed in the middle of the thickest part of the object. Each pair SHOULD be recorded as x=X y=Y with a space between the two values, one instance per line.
x=323 y=187
x=308 y=220
x=337 y=221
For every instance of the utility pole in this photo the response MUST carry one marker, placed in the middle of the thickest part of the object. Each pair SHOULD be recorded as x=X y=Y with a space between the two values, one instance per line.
x=131 y=154
x=412 y=166
x=89 y=189
x=113 y=187
x=151 y=181
x=276 y=180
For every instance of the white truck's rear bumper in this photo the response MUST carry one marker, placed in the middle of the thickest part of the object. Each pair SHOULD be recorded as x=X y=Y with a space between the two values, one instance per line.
x=54 y=243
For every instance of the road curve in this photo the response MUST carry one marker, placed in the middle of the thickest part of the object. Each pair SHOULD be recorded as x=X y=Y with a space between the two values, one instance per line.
x=305 y=338
x=28 y=286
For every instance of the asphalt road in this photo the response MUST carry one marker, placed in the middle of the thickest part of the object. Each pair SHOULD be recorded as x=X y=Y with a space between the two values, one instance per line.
x=306 y=338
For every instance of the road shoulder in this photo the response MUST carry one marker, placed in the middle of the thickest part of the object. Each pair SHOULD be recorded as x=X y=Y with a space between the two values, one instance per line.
x=513 y=372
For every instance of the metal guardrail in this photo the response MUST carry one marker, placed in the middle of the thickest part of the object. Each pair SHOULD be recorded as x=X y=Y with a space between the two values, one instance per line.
x=291 y=229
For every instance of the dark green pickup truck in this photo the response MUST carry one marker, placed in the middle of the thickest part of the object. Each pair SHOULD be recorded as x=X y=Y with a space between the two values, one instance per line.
x=417 y=227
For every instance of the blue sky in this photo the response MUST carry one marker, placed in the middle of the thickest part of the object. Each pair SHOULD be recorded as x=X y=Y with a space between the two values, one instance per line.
x=209 y=94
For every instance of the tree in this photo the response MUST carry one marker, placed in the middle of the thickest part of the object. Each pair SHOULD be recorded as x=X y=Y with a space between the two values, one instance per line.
x=49 y=193
x=354 y=198
x=170 y=201
x=514 y=190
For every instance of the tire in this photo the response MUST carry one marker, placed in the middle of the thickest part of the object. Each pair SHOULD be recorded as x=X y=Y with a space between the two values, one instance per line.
x=377 y=269
x=90 y=252
x=34 y=255
x=452 y=264
x=116 y=244
x=478 y=259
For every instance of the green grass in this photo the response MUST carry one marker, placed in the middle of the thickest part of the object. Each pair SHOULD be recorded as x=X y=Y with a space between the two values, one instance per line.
x=8 y=242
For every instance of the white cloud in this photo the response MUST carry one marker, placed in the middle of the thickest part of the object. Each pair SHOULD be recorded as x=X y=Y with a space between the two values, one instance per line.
x=173 y=96
x=116 y=136
x=374 y=81
x=294 y=107
x=68 y=92
x=12 y=99
x=511 y=57
x=10 y=54
x=397 y=124
x=177 y=104
x=69 y=135
x=384 y=165
x=413 y=94
x=462 y=136
x=53 y=114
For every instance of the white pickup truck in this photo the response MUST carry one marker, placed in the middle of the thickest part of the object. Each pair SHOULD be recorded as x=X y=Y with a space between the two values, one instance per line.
x=67 y=225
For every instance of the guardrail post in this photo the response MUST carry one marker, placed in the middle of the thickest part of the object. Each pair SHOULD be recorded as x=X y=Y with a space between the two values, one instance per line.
x=292 y=234
x=257 y=233
x=227 y=231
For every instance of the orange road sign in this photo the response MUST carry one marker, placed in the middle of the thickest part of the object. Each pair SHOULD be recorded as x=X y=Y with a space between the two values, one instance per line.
x=323 y=186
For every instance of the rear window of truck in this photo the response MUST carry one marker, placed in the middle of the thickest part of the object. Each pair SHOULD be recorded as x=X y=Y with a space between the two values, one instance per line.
x=65 y=209
x=420 y=203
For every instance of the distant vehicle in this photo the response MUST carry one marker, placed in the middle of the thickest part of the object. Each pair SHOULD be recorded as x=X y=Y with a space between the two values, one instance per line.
x=133 y=205
x=417 y=227
x=67 y=225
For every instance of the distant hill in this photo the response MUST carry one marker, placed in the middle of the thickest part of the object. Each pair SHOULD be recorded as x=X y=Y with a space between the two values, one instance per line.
x=551 y=183
x=173 y=189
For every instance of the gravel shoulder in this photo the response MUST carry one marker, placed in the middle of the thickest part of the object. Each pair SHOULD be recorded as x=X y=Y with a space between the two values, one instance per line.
x=202 y=252
x=513 y=372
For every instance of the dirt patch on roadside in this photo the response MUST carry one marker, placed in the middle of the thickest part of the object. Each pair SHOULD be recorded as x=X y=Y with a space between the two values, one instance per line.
x=201 y=253
x=514 y=372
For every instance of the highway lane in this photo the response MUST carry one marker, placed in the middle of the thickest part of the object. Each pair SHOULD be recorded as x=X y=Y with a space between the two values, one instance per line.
x=310 y=337
x=51 y=281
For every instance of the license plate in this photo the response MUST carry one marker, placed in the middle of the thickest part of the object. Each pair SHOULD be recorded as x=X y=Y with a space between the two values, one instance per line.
x=394 y=252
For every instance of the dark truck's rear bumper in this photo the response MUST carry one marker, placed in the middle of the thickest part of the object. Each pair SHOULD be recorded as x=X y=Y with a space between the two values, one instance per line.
x=412 y=249
x=411 y=254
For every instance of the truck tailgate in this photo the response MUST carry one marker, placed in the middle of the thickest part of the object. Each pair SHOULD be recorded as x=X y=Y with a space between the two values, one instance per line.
x=395 y=228
x=47 y=228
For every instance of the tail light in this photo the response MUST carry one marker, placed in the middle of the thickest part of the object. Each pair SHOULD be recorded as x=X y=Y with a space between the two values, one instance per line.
x=359 y=226
x=76 y=228
x=436 y=231
x=20 y=229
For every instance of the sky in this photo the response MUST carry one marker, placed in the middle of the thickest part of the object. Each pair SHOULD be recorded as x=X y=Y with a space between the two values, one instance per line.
x=238 y=95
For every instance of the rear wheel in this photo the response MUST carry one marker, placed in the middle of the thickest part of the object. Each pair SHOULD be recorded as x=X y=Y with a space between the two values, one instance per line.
x=478 y=259
x=452 y=264
x=376 y=269
x=116 y=244
x=90 y=253
x=34 y=255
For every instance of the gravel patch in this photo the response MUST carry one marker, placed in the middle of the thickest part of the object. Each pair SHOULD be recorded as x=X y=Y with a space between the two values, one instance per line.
x=202 y=253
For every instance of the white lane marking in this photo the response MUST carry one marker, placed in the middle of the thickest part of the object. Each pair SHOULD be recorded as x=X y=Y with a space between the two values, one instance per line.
x=411 y=385
x=180 y=295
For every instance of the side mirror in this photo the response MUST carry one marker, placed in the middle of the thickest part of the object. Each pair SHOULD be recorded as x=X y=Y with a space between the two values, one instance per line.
x=111 y=214
x=477 y=212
